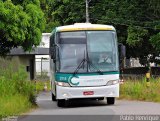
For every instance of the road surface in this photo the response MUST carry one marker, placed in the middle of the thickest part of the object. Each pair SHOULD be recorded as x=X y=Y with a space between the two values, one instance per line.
x=93 y=108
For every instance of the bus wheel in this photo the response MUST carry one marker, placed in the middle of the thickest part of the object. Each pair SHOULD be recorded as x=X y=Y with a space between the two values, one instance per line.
x=100 y=98
x=53 y=97
x=110 y=100
x=66 y=103
x=60 y=103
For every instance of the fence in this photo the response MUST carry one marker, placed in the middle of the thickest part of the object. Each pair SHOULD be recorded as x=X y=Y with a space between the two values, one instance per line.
x=42 y=68
x=139 y=72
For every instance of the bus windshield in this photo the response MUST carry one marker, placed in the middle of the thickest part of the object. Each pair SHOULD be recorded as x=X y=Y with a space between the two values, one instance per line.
x=99 y=47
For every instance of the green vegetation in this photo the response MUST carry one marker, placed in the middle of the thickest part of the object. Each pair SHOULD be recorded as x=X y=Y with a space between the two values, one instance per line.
x=42 y=81
x=17 y=95
x=14 y=105
x=21 y=24
x=42 y=75
x=138 y=90
x=137 y=21
x=41 y=84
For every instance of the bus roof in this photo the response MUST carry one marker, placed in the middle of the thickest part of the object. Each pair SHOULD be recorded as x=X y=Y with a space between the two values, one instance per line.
x=84 y=26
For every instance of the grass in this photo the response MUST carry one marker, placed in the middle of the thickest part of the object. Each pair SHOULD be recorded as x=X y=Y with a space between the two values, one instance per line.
x=130 y=90
x=139 y=90
x=17 y=94
x=40 y=85
x=42 y=76
x=14 y=105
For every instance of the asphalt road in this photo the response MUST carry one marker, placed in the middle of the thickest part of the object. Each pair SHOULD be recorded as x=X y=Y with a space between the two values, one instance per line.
x=91 y=108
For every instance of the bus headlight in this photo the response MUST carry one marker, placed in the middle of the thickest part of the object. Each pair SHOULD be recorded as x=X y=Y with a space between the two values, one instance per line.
x=112 y=82
x=63 y=84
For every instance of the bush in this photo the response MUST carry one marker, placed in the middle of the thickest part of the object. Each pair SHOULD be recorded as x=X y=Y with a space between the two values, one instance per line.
x=138 y=90
x=43 y=76
x=14 y=105
x=15 y=90
x=40 y=85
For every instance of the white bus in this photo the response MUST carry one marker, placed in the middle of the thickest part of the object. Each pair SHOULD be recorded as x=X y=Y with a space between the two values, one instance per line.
x=84 y=63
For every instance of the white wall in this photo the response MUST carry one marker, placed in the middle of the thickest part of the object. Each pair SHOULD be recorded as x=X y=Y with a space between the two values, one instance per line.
x=45 y=62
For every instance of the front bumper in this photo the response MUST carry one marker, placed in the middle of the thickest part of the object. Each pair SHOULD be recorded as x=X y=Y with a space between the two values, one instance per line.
x=77 y=92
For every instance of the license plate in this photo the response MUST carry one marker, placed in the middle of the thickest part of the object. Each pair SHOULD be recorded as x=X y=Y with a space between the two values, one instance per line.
x=88 y=93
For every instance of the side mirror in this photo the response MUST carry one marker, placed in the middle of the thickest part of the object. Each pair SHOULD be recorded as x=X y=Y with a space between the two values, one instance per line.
x=52 y=52
x=122 y=55
x=122 y=50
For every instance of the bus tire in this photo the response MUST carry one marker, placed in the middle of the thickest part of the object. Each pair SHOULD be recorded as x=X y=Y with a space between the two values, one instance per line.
x=98 y=98
x=66 y=103
x=60 y=103
x=110 y=100
x=53 y=97
x=101 y=98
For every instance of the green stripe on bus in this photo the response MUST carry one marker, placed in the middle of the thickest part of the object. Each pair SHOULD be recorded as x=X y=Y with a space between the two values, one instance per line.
x=64 y=77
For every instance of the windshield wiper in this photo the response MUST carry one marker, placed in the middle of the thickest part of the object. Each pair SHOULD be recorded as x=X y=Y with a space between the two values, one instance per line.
x=98 y=70
x=89 y=63
x=80 y=65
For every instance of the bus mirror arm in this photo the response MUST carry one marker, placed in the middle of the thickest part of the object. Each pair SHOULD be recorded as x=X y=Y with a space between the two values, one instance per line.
x=54 y=60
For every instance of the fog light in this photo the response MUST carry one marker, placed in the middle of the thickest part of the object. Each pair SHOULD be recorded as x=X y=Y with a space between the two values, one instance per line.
x=63 y=84
x=112 y=82
x=65 y=95
x=110 y=93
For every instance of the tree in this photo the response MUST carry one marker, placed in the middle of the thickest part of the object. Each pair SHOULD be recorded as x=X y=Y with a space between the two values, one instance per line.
x=21 y=24
x=62 y=12
x=137 y=22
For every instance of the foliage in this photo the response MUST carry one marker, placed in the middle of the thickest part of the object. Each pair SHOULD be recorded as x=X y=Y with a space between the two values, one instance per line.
x=14 y=105
x=62 y=12
x=40 y=85
x=135 y=35
x=43 y=76
x=138 y=90
x=15 y=90
x=155 y=39
x=21 y=24
x=137 y=22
